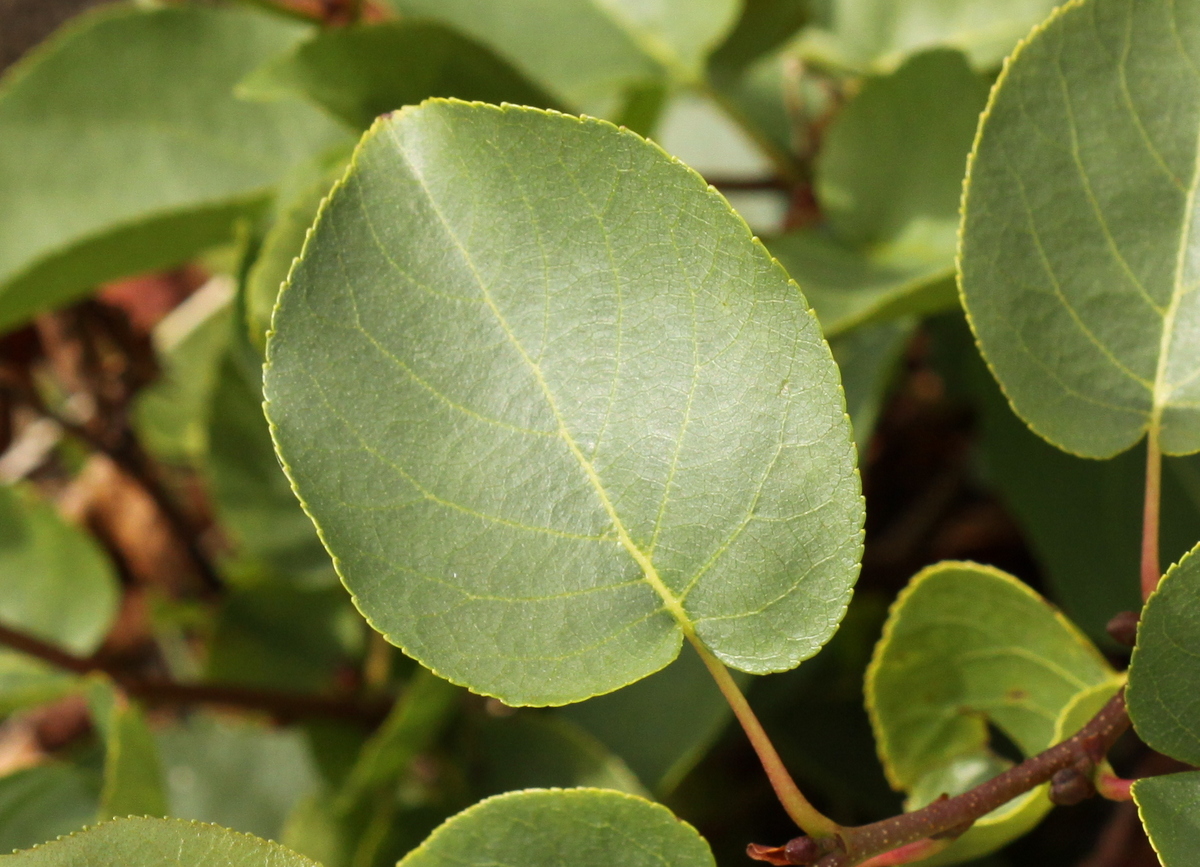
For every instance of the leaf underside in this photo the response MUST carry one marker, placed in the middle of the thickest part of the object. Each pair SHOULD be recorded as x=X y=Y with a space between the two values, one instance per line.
x=552 y=408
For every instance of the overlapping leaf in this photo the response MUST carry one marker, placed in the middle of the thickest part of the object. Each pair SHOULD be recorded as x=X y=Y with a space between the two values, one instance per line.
x=1170 y=810
x=966 y=645
x=552 y=408
x=123 y=148
x=546 y=828
x=1078 y=253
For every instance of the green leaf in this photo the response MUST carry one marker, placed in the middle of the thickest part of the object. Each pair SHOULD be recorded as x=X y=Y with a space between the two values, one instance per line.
x=44 y=802
x=547 y=828
x=122 y=148
x=237 y=773
x=143 y=842
x=553 y=408
x=588 y=50
x=1078 y=250
x=1170 y=810
x=133 y=778
x=966 y=645
x=535 y=750
x=660 y=726
x=1164 y=676
x=868 y=358
x=252 y=496
x=27 y=682
x=877 y=35
x=172 y=415
x=55 y=581
x=358 y=73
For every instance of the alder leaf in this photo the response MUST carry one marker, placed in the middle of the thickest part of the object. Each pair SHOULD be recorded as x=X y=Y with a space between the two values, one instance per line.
x=552 y=408
x=145 y=842
x=1164 y=674
x=585 y=50
x=1169 y=807
x=551 y=827
x=1079 y=248
x=358 y=73
x=966 y=645
x=123 y=149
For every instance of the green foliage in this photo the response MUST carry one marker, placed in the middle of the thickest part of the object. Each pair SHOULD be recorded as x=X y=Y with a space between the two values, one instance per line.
x=1077 y=248
x=1169 y=806
x=551 y=587
x=1163 y=674
x=589 y=827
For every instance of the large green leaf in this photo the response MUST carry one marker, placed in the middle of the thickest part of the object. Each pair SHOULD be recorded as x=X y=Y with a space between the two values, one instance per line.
x=879 y=34
x=1170 y=810
x=1078 y=249
x=142 y=842
x=889 y=179
x=548 y=828
x=122 y=147
x=55 y=581
x=553 y=408
x=585 y=50
x=359 y=73
x=966 y=645
x=1164 y=674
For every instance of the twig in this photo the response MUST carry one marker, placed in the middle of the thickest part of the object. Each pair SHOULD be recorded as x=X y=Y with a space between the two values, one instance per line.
x=159 y=691
x=950 y=817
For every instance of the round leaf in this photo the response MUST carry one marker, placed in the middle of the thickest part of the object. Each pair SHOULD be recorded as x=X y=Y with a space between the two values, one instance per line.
x=1164 y=674
x=552 y=408
x=1169 y=807
x=552 y=827
x=140 y=842
x=1079 y=248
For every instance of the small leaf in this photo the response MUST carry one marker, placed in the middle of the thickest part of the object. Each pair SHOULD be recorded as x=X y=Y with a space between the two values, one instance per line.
x=44 y=802
x=587 y=50
x=122 y=148
x=55 y=582
x=1078 y=248
x=133 y=778
x=143 y=842
x=359 y=73
x=1164 y=674
x=1169 y=807
x=966 y=645
x=548 y=828
x=552 y=408
x=237 y=773
x=27 y=682
x=877 y=35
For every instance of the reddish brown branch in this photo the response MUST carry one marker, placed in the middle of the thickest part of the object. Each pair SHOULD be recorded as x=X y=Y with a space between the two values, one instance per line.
x=159 y=691
x=950 y=817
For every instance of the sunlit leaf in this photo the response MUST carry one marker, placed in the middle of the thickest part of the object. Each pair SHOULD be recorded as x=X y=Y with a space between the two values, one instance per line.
x=552 y=408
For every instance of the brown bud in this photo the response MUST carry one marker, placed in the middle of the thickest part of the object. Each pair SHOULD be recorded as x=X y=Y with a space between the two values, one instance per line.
x=1123 y=628
x=798 y=851
x=1070 y=786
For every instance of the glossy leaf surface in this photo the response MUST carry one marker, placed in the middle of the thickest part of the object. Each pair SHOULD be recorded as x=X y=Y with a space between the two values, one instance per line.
x=547 y=828
x=520 y=357
x=1169 y=807
x=1164 y=674
x=143 y=842
x=55 y=581
x=1079 y=252
x=123 y=149
x=359 y=73
x=964 y=645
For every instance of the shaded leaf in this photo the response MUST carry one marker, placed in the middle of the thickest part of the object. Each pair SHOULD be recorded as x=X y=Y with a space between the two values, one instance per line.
x=358 y=73
x=1077 y=249
x=868 y=358
x=966 y=645
x=589 y=50
x=237 y=773
x=44 y=802
x=143 y=842
x=133 y=778
x=537 y=493
x=27 y=682
x=546 y=828
x=1164 y=674
x=55 y=581
x=878 y=35
x=1169 y=807
x=122 y=148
